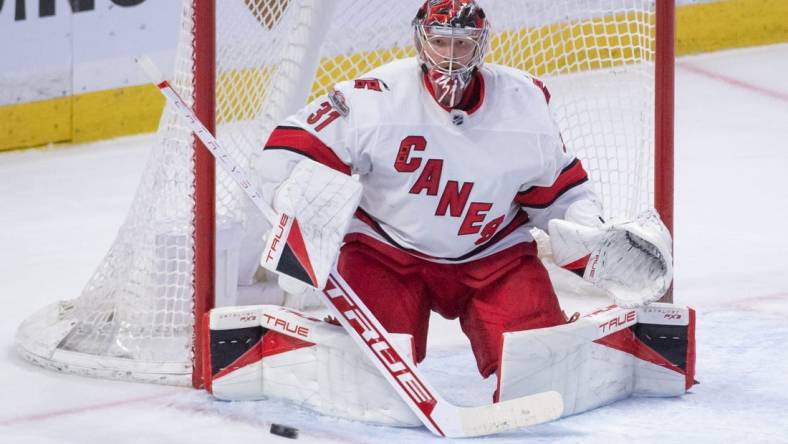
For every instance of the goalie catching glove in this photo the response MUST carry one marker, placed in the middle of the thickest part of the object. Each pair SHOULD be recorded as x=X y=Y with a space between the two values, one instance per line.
x=630 y=260
x=314 y=206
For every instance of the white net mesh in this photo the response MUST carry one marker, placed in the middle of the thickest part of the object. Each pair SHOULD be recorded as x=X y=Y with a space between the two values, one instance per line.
x=134 y=318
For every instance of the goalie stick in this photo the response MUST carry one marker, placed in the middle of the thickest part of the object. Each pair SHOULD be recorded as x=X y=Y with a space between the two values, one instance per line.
x=439 y=415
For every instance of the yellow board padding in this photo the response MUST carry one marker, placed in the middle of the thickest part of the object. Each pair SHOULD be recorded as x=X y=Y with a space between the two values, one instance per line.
x=116 y=112
x=238 y=95
x=700 y=28
x=35 y=123
x=576 y=45
x=353 y=66
x=81 y=118
x=706 y=27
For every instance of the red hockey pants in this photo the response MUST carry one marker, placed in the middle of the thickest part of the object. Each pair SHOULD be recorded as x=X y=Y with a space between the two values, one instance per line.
x=507 y=291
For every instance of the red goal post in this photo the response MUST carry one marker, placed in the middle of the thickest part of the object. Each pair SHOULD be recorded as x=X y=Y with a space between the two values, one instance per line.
x=664 y=110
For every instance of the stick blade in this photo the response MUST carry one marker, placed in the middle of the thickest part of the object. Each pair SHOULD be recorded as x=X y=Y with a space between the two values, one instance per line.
x=510 y=415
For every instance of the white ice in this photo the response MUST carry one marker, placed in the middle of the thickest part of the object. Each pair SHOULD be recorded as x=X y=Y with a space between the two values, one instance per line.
x=60 y=209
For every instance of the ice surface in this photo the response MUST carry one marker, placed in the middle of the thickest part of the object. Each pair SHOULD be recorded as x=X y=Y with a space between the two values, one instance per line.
x=60 y=209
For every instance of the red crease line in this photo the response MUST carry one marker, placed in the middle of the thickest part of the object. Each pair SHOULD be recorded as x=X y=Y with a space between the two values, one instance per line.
x=735 y=82
x=75 y=411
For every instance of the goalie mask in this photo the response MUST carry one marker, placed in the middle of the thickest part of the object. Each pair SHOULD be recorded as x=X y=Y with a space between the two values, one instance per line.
x=451 y=39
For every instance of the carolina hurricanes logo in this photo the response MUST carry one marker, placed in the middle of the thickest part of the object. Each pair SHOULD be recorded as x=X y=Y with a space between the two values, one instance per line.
x=456 y=13
x=452 y=195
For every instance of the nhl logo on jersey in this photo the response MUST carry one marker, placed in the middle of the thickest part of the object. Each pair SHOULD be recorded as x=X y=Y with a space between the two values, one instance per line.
x=458 y=116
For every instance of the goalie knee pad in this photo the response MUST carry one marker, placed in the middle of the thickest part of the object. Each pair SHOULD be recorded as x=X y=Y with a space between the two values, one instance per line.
x=261 y=351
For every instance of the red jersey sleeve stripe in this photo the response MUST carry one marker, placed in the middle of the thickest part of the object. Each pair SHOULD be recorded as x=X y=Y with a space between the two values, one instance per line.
x=301 y=141
x=542 y=197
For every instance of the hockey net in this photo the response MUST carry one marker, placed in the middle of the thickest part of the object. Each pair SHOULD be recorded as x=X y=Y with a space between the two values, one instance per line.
x=135 y=317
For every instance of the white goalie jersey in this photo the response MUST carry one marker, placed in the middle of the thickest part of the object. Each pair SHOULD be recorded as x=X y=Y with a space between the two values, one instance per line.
x=448 y=186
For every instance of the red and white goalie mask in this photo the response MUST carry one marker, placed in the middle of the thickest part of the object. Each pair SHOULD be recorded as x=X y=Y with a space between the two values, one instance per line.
x=451 y=39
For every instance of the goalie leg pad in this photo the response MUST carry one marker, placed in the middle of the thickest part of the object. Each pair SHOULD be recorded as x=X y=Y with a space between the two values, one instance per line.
x=603 y=357
x=270 y=351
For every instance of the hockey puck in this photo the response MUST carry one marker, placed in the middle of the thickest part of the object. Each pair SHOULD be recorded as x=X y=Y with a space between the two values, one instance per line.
x=283 y=430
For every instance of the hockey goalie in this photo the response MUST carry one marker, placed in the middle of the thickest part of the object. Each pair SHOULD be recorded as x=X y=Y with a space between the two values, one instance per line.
x=423 y=179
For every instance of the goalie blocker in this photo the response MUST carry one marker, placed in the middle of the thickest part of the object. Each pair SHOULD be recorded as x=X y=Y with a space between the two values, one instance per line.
x=261 y=351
